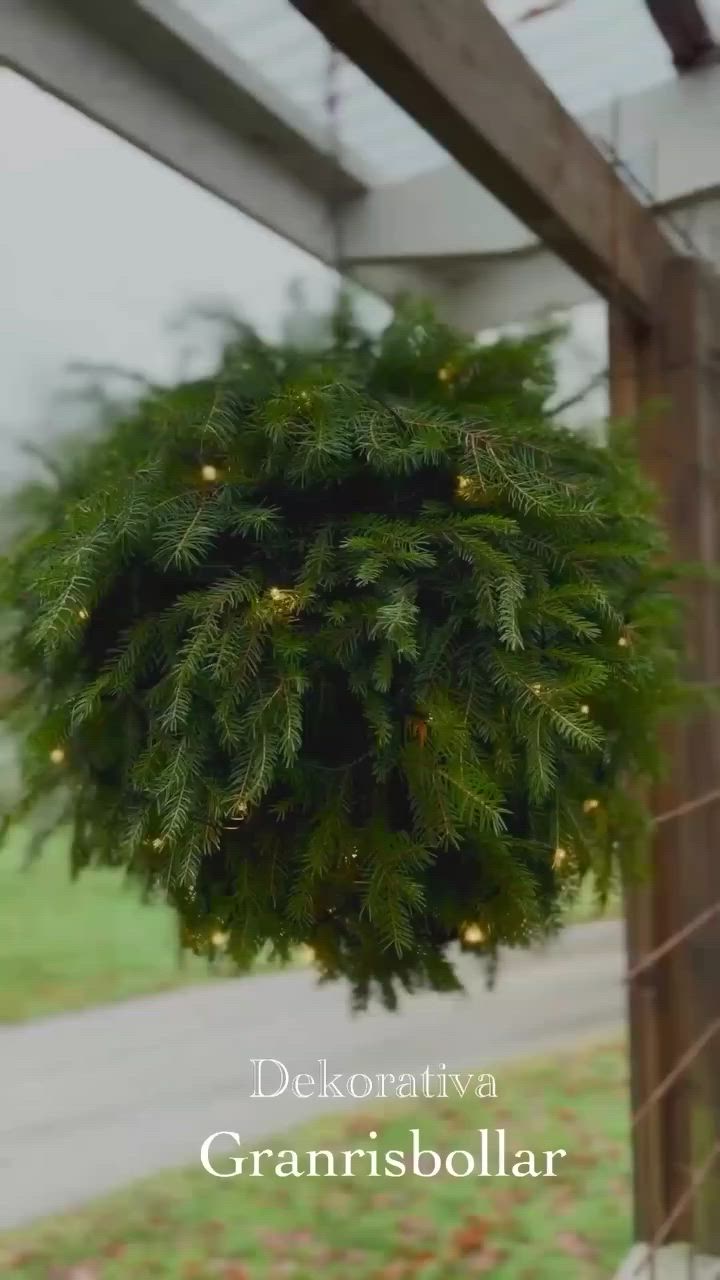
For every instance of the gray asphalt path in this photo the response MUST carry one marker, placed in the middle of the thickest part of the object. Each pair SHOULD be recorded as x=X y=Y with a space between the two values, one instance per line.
x=90 y=1101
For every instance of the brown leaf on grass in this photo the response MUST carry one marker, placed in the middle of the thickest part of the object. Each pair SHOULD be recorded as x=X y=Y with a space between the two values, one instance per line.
x=415 y=1228
x=115 y=1249
x=563 y=1198
x=336 y=1202
x=616 y=1151
x=419 y=1258
x=485 y=1262
x=520 y=1195
x=393 y=1271
x=586 y=1159
x=83 y=1271
x=360 y=1126
x=471 y=1236
x=226 y=1269
x=18 y=1258
x=283 y=1241
x=383 y=1200
x=502 y=1116
x=453 y=1120
x=576 y=1246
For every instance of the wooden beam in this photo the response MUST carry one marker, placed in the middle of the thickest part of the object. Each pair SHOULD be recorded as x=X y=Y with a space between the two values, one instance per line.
x=455 y=69
x=674 y=366
x=182 y=53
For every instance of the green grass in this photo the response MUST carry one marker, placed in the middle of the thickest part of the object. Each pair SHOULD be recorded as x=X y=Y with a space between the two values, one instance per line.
x=66 y=945
x=585 y=907
x=189 y=1226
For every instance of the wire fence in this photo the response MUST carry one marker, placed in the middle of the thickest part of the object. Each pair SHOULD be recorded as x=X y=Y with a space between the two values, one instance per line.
x=674 y=989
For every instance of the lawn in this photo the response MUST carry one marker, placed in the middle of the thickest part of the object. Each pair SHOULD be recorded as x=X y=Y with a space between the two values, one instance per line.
x=68 y=945
x=189 y=1226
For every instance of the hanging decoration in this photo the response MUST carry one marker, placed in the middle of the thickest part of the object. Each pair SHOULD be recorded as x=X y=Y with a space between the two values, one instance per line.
x=331 y=652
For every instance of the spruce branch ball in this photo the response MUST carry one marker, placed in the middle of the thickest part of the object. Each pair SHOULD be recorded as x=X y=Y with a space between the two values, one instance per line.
x=354 y=651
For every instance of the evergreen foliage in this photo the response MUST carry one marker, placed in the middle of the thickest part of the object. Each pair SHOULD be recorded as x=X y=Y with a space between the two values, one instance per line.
x=356 y=650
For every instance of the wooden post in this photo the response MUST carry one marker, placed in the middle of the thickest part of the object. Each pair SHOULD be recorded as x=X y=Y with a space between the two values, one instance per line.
x=675 y=363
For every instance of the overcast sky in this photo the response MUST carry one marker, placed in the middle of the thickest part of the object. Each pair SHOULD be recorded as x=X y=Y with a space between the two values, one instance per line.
x=102 y=248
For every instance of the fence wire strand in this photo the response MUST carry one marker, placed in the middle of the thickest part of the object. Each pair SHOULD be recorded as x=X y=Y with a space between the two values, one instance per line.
x=663 y=1231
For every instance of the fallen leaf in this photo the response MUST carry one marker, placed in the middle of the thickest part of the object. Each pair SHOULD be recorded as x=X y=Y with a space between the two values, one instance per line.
x=419 y=1257
x=21 y=1258
x=566 y=1114
x=471 y=1236
x=393 y=1271
x=284 y=1241
x=115 y=1249
x=484 y=1262
x=415 y=1228
x=586 y=1159
x=383 y=1200
x=576 y=1246
x=361 y=1125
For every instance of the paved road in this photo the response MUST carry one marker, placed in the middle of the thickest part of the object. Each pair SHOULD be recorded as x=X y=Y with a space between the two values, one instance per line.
x=90 y=1101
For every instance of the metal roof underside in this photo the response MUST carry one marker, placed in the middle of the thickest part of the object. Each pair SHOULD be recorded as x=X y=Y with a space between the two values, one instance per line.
x=590 y=52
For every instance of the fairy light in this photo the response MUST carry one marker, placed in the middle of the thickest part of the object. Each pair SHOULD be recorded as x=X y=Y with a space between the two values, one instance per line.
x=283 y=599
x=445 y=373
x=157 y=843
x=590 y=806
x=83 y=615
x=220 y=940
x=559 y=857
x=57 y=755
x=537 y=688
x=473 y=935
x=624 y=642
x=585 y=710
x=209 y=472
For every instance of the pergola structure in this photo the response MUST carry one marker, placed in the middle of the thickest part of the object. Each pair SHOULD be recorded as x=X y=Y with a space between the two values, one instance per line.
x=237 y=106
x=509 y=206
